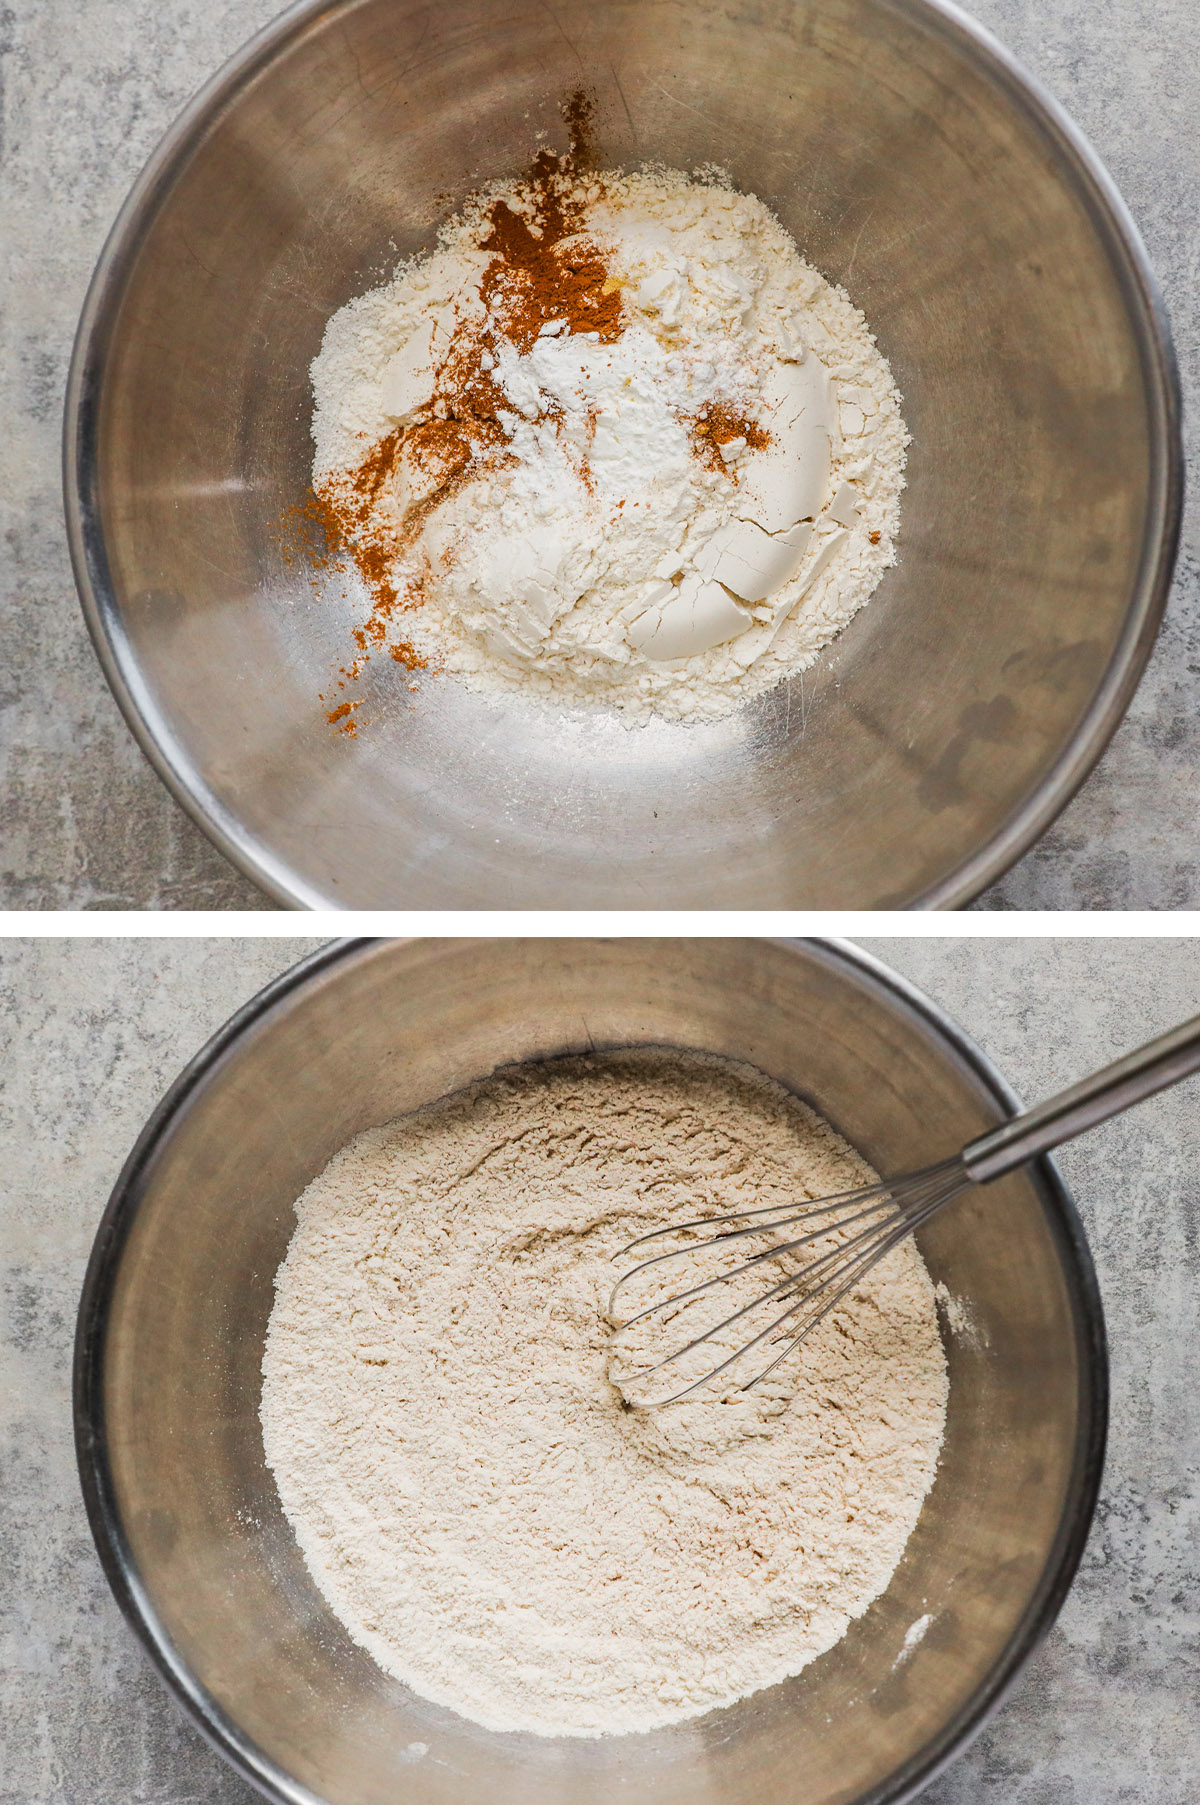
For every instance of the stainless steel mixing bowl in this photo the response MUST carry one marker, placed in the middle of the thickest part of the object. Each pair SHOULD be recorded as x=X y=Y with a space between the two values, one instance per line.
x=914 y=163
x=179 y=1289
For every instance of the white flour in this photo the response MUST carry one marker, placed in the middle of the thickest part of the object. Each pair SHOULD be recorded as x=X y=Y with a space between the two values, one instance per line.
x=600 y=561
x=473 y=1499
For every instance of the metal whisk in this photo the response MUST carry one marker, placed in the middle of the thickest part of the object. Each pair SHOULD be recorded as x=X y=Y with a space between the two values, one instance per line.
x=842 y=1237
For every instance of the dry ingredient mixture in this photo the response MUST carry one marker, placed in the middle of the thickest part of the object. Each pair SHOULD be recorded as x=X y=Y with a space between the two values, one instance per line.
x=473 y=1497
x=613 y=443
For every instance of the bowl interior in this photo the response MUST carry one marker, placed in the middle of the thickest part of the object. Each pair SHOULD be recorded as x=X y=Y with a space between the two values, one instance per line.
x=911 y=761
x=174 y=1318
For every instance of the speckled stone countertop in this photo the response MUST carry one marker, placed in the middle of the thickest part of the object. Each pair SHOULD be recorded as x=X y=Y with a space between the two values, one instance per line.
x=90 y=85
x=1105 y=1713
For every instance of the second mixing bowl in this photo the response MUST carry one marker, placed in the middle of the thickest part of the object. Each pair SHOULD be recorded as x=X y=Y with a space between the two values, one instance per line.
x=913 y=163
x=174 y=1315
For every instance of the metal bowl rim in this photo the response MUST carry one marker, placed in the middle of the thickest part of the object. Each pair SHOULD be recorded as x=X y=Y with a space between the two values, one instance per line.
x=116 y=1558
x=1058 y=783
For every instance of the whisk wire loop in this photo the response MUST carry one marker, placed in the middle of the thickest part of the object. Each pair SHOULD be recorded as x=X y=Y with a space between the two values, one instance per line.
x=882 y=1214
x=775 y=1251
x=830 y=1301
x=810 y=1207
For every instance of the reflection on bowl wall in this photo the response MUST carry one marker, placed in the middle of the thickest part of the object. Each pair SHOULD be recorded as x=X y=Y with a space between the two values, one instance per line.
x=914 y=164
x=174 y=1316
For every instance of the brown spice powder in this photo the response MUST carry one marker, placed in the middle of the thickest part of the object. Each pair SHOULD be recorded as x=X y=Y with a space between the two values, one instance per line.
x=543 y=268
x=717 y=424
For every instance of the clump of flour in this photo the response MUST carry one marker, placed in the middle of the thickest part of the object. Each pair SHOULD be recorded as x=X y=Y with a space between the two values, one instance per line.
x=474 y=1500
x=601 y=544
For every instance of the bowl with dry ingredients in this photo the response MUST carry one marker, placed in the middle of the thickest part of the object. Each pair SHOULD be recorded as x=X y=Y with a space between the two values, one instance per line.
x=649 y=457
x=347 y=1427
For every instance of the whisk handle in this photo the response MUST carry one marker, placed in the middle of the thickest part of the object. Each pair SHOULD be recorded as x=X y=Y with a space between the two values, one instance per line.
x=1119 y=1086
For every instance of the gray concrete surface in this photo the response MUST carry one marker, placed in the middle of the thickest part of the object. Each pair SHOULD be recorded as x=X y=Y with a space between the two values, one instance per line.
x=89 y=86
x=1106 y=1713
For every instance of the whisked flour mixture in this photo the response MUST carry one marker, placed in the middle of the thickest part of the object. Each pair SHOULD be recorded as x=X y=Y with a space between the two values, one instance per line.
x=475 y=1501
x=613 y=443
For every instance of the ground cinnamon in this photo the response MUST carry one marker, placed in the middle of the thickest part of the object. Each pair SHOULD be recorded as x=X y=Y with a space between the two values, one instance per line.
x=718 y=424
x=543 y=269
